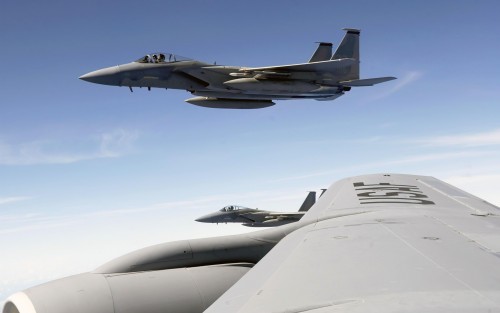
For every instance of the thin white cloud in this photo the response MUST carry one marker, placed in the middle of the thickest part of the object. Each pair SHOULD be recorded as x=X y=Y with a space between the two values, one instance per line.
x=401 y=82
x=484 y=186
x=26 y=222
x=5 y=200
x=377 y=165
x=117 y=142
x=472 y=179
x=466 y=140
x=212 y=202
x=435 y=157
x=387 y=125
x=109 y=145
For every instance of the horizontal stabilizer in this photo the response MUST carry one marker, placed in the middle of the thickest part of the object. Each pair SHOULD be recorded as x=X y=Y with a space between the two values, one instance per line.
x=366 y=82
x=329 y=98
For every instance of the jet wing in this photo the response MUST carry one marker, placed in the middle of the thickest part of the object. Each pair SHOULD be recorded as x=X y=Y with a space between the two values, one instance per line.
x=286 y=216
x=246 y=216
x=416 y=244
x=323 y=66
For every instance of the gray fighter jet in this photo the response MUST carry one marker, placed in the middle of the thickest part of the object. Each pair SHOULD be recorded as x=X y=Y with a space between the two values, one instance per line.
x=324 y=77
x=372 y=243
x=258 y=218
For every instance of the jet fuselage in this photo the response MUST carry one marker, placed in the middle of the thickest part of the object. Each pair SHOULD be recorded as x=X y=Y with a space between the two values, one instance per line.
x=324 y=77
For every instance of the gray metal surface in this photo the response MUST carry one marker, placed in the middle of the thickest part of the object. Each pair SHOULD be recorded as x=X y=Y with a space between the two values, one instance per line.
x=322 y=53
x=373 y=243
x=324 y=77
x=183 y=276
x=248 y=248
x=416 y=245
x=183 y=290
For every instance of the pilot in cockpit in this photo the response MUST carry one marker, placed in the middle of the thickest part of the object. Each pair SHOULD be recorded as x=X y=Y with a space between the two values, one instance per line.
x=145 y=59
x=160 y=58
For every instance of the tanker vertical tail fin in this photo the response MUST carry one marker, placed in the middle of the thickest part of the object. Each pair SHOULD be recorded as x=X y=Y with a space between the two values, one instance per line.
x=349 y=48
x=308 y=202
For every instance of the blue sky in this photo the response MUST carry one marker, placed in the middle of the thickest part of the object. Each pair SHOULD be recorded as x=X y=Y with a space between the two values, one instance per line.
x=89 y=172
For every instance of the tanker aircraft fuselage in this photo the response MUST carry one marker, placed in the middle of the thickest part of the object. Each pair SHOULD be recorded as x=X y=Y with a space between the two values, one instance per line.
x=385 y=242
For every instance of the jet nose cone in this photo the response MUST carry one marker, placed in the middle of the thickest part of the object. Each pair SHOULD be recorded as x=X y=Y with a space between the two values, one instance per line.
x=105 y=76
x=203 y=219
x=209 y=218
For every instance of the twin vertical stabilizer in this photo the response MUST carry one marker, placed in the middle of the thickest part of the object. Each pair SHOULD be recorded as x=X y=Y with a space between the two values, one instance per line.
x=322 y=53
x=349 y=49
x=308 y=202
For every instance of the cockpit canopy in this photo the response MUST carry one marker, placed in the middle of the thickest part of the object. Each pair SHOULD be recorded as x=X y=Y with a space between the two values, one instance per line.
x=161 y=57
x=231 y=208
